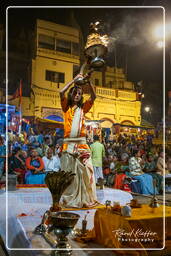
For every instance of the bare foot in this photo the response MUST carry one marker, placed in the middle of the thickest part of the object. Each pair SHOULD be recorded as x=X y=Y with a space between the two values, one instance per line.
x=91 y=205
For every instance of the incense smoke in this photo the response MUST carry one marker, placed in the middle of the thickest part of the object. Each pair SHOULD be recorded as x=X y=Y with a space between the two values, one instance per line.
x=131 y=31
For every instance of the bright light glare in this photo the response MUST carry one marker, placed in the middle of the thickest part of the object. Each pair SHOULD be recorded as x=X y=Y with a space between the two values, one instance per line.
x=158 y=32
x=168 y=29
x=160 y=44
x=147 y=109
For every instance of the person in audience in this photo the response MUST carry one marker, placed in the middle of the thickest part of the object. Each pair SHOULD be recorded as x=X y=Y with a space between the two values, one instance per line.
x=39 y=150
x=150 y=168
x=45 y=145
x=51 y=162
x=35 y=169
x=40 y=138
x=168 y=163
x=17 y=165
x=125 y=163
x=24 y=155
x=58 y=150
x=16 y=142
x=112 y=161
x=119 y=177
x=161 y=165
x=145 y=180
x=97 y=155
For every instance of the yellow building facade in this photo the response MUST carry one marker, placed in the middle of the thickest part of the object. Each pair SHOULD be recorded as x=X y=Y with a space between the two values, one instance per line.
x=56 y=60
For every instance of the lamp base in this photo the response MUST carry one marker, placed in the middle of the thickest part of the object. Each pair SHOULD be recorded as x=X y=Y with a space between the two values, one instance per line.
x=61 y=253
x=64 y=246
x=97 y=63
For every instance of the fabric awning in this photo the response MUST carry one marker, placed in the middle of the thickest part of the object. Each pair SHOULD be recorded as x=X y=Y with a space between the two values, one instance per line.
x=50 y=123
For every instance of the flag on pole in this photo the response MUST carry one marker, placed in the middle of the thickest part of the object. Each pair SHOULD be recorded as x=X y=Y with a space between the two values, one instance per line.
x=15 y=95
x=18 y=93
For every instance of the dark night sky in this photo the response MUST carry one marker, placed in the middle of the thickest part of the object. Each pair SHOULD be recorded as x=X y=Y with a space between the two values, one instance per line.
x=133 y=28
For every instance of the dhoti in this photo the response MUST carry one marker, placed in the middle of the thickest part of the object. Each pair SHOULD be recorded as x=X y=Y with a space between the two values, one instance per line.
x=82 y=191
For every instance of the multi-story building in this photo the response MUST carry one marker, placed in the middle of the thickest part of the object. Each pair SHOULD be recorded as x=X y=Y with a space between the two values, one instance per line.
x=56 y=60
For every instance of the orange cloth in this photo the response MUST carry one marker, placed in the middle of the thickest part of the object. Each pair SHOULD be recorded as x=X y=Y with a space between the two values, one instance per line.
x=119 y=179
x=68 y=113
x=144 y=219
x=30 y=167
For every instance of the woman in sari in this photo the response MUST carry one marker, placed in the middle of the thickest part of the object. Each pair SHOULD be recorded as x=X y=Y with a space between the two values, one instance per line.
x=75 y=152
x=150 y=168
x=17 y=165
x=35 y=167
x=145 y=180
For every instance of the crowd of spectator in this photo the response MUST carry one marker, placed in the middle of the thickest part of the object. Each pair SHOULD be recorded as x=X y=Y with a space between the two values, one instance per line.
x=125 y=162
x=133 y=163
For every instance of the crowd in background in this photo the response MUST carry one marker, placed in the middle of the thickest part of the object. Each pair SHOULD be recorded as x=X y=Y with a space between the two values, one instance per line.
x=129 y=162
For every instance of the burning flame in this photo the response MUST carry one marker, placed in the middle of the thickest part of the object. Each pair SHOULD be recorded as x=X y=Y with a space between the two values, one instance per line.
x=105 y=40
x=96 y=38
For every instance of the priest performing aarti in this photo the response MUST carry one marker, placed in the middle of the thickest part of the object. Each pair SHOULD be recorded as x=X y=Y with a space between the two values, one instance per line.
x=76 y=153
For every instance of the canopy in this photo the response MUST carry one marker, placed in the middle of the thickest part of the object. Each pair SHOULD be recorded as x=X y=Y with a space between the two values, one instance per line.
x=146 y=124
x=141 y=126
x=49 y=123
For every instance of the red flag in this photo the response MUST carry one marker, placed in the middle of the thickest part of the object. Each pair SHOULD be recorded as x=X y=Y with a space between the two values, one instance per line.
x=17 y=94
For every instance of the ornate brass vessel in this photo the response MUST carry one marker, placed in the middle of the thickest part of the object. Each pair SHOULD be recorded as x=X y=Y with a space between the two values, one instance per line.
x=60 y=222
x=63 y=223
x=95 y=50
x=96 y=46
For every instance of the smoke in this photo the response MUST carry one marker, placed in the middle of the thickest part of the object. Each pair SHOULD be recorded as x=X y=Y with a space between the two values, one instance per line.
x=131 y=31
x=128 y=31
x=112 y=43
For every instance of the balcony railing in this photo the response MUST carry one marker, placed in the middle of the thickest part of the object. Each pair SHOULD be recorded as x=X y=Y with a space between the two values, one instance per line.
x=54 y=52
x=115 y=93
x=111 y=93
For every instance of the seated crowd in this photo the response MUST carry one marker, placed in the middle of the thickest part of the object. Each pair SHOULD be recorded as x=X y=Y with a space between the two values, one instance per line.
x=137 y=167
x=130 y=164
x=33 y=169
x=32 y=157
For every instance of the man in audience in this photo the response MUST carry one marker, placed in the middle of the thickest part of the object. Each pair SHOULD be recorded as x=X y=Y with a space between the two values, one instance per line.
x=51 y=162
x=97 y=154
